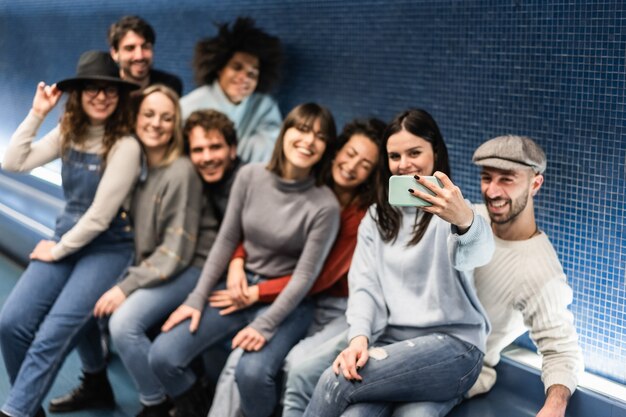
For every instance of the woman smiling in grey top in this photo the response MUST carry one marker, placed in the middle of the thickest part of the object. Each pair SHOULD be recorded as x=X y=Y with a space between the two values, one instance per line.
x=287 y=221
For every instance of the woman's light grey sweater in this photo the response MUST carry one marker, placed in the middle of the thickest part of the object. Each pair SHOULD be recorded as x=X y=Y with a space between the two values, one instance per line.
x=418 y=289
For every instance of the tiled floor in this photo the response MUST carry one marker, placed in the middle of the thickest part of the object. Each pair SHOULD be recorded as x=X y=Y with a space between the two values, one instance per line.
x=126 y=395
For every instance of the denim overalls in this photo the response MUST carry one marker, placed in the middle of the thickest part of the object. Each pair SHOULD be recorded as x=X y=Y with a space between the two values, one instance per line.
x=51 y=302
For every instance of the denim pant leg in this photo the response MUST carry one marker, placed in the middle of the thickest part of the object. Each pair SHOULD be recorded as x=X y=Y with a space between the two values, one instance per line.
x=140 y=312
x=303 y=376
x=227 y=401
x=435 y=367
x=96 y=269
x=369 y=410
x=426 y=409
x=329 y=320
x=328 y=323
x=26 y=307
x=89 y=348
x=420 y=409
x=257 y=372
x=171 y=353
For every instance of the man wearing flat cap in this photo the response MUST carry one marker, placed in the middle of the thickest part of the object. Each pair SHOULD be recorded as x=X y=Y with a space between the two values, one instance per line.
x=523 y=287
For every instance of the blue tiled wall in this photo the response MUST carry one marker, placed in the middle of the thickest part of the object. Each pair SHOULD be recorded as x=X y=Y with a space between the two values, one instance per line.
x=552 y=70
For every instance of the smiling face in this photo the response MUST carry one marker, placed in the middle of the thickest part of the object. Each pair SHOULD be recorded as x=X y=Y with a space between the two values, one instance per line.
x=239 y=77
x=210 y=153
x=354 y=162
x=409 y=154
x=99 y=101
x=134 y=56
x=155 y=122
x=507 y=193
x=303 y=147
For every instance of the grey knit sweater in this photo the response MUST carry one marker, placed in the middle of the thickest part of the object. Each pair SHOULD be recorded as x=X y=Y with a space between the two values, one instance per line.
x=166 y=213
x=287 y=227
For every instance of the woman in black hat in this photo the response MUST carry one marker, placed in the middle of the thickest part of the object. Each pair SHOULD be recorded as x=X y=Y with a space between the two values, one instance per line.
x=54 y=298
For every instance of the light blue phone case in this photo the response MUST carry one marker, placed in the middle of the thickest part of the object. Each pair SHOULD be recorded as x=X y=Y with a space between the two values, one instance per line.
x=399 y=194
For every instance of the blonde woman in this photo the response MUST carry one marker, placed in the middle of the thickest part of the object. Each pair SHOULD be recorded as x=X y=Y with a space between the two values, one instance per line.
x=165 y=209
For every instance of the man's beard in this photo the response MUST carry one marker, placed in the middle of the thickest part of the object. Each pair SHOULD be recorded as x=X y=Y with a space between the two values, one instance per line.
x=515 y=208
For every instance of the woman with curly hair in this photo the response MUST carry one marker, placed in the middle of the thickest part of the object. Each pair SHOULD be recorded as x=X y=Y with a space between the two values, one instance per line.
x=53 y=300
x=235 y=69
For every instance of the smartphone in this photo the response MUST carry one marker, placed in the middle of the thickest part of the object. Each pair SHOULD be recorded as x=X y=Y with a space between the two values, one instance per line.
x=399 y=194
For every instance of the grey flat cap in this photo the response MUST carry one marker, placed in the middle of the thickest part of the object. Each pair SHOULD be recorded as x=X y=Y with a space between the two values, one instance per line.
x=511 y=152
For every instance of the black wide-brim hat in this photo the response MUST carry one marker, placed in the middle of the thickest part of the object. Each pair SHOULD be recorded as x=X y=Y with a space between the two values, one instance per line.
x=96 y=66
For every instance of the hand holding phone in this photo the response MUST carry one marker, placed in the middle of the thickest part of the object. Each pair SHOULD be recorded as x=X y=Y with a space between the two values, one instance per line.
x=399 y=194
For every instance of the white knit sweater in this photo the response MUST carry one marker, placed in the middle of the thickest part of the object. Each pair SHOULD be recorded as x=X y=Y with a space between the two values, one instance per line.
x=524 y=288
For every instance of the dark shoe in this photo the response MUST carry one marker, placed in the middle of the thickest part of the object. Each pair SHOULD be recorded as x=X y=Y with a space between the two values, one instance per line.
x=158 y=410
x=94 y=391
x=192 y=403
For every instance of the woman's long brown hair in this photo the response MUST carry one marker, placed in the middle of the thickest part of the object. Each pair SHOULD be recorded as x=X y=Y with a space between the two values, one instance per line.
x=74 y=123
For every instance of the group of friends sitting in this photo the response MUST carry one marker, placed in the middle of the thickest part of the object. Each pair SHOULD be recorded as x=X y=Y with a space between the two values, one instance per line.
x=206 y=224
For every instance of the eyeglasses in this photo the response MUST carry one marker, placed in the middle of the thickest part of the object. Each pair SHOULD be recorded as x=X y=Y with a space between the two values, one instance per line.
x=92 y=90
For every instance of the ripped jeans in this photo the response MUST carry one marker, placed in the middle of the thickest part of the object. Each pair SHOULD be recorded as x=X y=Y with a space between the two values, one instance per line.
x=435 y=367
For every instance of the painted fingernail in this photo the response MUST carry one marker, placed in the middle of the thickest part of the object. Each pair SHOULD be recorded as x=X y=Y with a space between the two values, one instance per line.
x=411 y=190
x=417 y=177
x=358 y=368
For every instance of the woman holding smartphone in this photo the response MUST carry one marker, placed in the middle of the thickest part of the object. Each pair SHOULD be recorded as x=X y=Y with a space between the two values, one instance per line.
x=287 y=220
x=416 y=329
x=352 y=178
x=93 y=242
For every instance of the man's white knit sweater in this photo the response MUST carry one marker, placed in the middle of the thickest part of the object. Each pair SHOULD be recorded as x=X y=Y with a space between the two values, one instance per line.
x=524 y=288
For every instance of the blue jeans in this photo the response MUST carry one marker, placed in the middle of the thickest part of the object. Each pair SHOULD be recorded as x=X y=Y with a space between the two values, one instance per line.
x=328 y=320
x=44 y=315
x=426 y=409
x=256 y=373
x=420 y=409
x=303 y=376
x=435 y=367
x=129 y=326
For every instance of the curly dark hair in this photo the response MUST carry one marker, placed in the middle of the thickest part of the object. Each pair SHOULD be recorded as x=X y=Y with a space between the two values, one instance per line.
x=210 y=119
x=419 y=123
x=372 y=129
x=74 y=122
x=212 y=54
